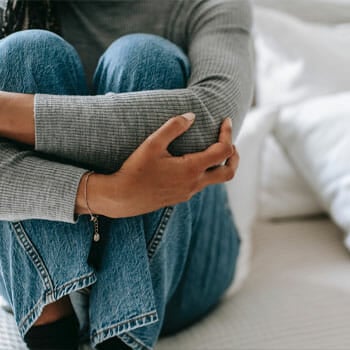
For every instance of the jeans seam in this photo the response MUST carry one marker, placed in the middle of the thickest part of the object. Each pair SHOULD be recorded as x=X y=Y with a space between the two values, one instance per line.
x=25 y=318
x=30 y=249
x=49 y=296
x=157 y=237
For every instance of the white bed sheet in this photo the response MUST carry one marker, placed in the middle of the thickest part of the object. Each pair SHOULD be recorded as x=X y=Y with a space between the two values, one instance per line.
x=296 y=296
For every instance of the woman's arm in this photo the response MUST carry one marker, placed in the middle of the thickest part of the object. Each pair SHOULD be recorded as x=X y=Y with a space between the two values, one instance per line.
x=102 y=131
x=33 y=187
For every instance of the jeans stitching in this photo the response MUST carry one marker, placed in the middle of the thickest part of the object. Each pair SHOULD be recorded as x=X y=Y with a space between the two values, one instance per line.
x=153 y=245
x=25 y=318
x=49 y=297
x=28 y=246
x=133 y=319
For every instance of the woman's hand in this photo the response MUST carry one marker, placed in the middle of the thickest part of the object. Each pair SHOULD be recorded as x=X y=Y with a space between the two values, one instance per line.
x=151 y=178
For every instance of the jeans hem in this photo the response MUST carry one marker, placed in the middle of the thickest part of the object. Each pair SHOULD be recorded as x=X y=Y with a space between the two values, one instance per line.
x=133 y=342
x=51 y=296
x=120 y=328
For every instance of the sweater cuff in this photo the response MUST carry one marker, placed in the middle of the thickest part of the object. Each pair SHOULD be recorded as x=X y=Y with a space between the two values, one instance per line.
x=44 y=190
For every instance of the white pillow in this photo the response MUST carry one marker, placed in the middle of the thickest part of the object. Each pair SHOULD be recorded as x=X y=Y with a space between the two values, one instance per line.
x=316 y=135
x=321 y=11
x=297 y=60
x=283 y=191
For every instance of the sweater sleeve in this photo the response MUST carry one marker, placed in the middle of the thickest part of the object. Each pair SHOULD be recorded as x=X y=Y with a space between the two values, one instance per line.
x=33 y=187
x=102 y=131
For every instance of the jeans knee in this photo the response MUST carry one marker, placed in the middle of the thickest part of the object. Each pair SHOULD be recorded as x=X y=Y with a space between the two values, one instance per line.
x=142 y=61
x=37 y=55
x=32 y=43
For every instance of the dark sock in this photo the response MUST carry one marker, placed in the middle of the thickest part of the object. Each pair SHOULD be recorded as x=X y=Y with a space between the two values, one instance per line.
x=113 y=344
x=62 y=334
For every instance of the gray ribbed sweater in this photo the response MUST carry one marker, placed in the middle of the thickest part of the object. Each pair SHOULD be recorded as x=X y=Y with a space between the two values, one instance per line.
x=100 y=132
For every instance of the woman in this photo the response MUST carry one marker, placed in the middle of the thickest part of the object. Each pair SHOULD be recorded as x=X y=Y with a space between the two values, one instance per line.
x=102 y=143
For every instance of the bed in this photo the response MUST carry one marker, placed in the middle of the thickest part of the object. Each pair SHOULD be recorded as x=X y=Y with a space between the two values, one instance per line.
x=291 y=195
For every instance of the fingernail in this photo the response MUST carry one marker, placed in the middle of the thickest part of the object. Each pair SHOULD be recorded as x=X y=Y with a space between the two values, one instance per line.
x=189 y=116
x=229 y=121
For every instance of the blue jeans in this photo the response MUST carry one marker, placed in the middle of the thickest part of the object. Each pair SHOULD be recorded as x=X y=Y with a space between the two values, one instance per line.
x=158 y=272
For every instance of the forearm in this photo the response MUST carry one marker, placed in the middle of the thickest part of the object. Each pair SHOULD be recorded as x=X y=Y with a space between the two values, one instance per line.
x=17 y=117
x=101 y=132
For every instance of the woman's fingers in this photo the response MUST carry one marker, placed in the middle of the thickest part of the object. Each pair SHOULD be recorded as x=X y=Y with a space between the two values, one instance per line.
x=212 y=156
x=220 y=151
x=216 y=154
x=225 y=135
x=222 y=173
x=233 y=161
x=151 y=178
x=169 y=131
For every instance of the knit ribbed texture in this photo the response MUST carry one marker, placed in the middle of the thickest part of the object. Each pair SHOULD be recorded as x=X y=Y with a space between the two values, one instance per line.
x=102 y=131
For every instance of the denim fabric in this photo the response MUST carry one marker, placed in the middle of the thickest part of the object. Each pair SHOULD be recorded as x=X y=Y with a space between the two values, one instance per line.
x=158 y=272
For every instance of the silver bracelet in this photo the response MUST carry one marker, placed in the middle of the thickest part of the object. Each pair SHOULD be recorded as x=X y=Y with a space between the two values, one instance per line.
x=85 y=194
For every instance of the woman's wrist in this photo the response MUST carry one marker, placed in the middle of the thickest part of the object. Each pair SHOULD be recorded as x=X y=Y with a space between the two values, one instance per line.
x=17 y=117
x=93 y=193
x=4 y=107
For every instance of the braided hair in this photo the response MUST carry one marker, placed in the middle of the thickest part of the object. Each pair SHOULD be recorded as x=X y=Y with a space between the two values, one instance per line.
x=29 y=14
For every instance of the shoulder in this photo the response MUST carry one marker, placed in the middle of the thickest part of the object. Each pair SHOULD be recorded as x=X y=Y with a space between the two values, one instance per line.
x=234 y=13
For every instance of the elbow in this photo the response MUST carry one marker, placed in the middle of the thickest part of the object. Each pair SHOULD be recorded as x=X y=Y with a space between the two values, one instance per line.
x=234 y=101
x=210 y=108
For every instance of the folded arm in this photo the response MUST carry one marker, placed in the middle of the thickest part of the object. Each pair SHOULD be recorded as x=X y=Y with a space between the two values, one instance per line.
x=100 y=132
x=150 y=179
